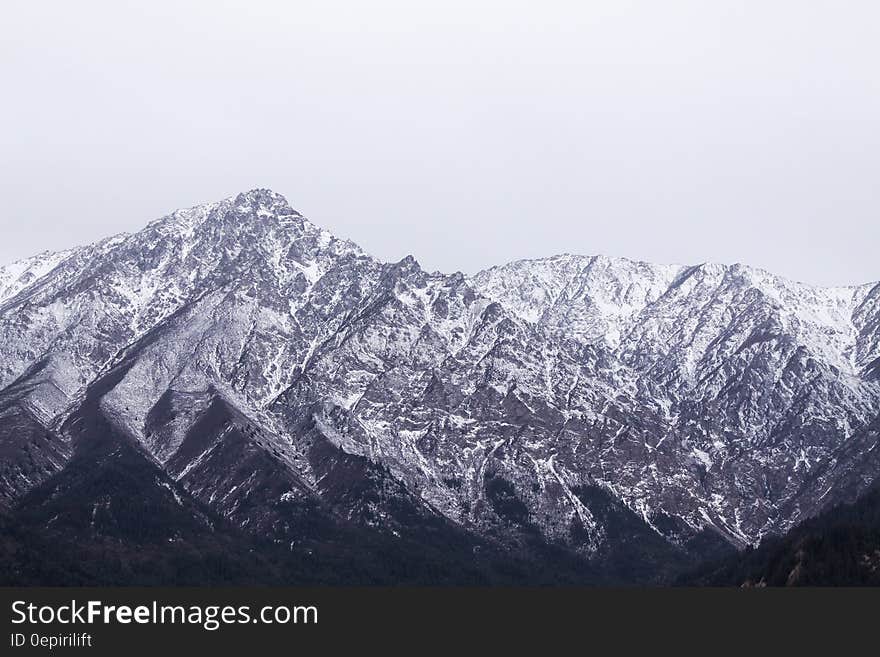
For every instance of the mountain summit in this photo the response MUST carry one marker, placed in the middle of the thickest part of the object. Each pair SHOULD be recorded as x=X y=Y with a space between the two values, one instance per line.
x=259 y=374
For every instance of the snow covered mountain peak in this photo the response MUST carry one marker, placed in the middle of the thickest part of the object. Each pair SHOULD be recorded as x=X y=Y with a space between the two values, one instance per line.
x=255 y=206
x=259 y=359
x=603 y=300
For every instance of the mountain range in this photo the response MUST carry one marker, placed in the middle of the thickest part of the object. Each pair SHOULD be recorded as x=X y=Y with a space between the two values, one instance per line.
x=233 y=394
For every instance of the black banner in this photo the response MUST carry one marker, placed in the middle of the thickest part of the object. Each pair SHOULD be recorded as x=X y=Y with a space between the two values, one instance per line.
x=114 y=621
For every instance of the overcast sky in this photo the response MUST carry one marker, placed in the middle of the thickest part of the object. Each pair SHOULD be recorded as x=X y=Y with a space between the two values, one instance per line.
x=466 y=133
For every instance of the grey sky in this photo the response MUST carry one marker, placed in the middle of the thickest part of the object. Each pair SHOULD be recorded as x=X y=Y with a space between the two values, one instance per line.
x=467 y=133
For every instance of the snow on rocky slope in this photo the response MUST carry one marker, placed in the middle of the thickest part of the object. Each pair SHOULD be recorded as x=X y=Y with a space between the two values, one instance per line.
x=268 y=366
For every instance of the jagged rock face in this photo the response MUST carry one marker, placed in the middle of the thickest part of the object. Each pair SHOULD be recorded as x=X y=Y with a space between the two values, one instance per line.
x=274 y=372
x=761 y=383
